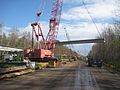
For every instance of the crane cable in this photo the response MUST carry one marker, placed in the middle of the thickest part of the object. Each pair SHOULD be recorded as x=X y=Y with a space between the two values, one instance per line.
x=71 y=46
x=91 y=17
x=40 y=9
x=42 y=5
x=68 y=38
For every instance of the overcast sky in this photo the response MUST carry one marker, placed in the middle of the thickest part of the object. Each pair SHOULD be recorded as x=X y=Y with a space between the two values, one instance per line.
x=76 y=20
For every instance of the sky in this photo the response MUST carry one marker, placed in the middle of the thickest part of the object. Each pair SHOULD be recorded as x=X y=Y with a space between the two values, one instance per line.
x=75 y=18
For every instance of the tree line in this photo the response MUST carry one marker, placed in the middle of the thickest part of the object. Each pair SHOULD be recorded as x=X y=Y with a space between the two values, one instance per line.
x=14 y=38
x=23 y=39
x=109 y=51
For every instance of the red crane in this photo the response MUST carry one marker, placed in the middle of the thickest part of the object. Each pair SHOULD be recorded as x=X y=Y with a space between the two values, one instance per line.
x=46 y=48
x=54 y=24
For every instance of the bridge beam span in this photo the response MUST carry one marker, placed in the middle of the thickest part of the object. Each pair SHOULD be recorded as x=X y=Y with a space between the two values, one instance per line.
x=81 y=41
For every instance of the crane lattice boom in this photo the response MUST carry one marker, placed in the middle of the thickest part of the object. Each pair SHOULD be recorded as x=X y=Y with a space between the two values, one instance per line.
x=54 y=24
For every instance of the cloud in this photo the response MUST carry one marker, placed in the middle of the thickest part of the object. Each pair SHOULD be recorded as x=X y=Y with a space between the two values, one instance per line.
x=89 y=1
x=83 y=49
x=28 y=28
x=74 y=1
x=80 y=31
x=80 y=26
x=76 y=13
x=5 y=30
x=99 y=9
x=77 y=31
x=102 y=10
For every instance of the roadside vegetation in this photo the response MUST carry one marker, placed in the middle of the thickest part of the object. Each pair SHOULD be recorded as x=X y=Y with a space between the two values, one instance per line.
x=14 y=38
x=109 y=51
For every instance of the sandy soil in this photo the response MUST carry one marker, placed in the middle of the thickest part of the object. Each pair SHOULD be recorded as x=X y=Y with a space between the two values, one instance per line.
x=71 y=76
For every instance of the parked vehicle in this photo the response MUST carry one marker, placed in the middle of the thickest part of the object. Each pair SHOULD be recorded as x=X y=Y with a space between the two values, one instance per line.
x=95 y=62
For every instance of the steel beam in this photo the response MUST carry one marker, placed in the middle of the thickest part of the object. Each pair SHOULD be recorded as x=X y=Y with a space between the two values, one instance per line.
x=81 y=41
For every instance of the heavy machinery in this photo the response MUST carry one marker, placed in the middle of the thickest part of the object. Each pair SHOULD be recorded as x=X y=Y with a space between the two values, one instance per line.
x=45 y=48
x=72 y=55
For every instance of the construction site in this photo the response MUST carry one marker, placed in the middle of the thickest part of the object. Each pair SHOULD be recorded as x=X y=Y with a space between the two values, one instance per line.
x=50 y=54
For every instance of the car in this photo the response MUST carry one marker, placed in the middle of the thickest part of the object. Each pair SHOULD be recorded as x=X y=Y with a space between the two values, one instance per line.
x=96 y=62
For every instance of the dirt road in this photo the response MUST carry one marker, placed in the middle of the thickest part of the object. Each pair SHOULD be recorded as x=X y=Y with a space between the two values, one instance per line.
x=71 y=76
